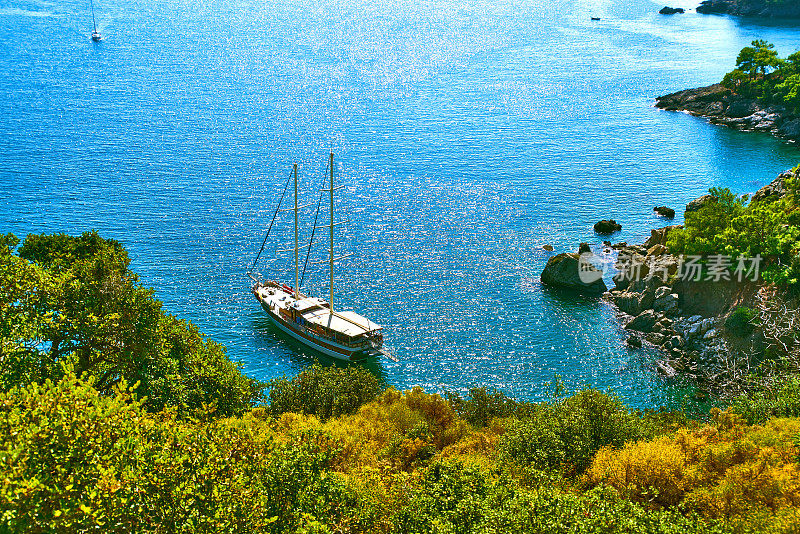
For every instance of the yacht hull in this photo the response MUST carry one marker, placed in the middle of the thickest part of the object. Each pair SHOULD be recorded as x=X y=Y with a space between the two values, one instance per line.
x=327 y=347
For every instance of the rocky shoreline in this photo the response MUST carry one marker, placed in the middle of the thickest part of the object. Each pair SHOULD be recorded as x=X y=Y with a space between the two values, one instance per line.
x=722 y=106
x=751 y=8
x=685 y=319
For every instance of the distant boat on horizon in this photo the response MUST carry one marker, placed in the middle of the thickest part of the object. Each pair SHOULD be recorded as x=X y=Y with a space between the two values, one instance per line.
x=341 y=334
x=96 y=37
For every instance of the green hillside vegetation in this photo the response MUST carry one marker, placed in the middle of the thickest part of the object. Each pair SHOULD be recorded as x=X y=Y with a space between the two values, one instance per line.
x=760 y=73
x=135 y=423
x=73 y=300
x=769 y=228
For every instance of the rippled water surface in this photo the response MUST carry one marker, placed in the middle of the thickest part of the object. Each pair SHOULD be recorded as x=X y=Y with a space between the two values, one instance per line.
x=468 y=134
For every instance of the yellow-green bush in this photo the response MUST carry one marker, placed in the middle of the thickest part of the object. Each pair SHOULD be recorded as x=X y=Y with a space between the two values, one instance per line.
x=644 y=471
x=397 y=430
x=725 y=469
x=74 y=460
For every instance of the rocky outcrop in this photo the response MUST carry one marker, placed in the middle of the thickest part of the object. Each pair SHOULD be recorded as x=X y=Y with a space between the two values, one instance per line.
x=666 y=10
x=644 y=322
x=689 y=318
x=607 y=227
x=722 y=106
x=659 y=236
x=709 y=7
x=777 y=188
x=751 y=8
x=664 y=211
x=699 y=202
x=682 y=318
x=574 y=271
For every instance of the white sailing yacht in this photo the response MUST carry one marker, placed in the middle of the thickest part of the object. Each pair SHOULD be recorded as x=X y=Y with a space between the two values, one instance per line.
x=344 y=335
x=96 y=37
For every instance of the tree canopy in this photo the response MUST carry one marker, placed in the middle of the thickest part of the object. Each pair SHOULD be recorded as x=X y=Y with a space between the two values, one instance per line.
x=761 y=73
x=73 y=300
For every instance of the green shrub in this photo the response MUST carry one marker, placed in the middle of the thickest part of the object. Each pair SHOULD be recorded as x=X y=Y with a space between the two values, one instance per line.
x=323 y=391
x=565 y=435
x=73 y=300
x=73 y=460
x=780 y=400
x=484 y=404
x=454 y=498
x=740 y=321
x=727 y=227
x=727 y=469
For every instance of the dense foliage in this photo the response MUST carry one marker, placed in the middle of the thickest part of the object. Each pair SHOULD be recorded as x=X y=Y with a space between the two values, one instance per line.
x=72 y=460
x=726 y=225
x=760 y=73
x=127 y=420
x=780 y=400
x=75 y=460
x=726 y=469
x=74 y=300
x=323 y=391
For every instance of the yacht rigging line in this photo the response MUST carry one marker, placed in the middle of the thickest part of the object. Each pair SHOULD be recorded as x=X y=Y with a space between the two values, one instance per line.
x=313 y=229
x=263 y=243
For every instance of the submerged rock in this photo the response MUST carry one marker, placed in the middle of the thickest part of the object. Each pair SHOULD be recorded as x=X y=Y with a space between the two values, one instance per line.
x=548 y=248
x=574 y=271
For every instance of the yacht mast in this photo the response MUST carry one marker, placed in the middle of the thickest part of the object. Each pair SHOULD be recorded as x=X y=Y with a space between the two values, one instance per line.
x=330 y=299
x=93 y=21
x=296 y=242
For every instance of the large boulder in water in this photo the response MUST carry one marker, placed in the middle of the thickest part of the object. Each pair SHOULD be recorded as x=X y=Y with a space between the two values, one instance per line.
x=574 y=271
x=666 y=10
x=664 y=211
x=607 y=227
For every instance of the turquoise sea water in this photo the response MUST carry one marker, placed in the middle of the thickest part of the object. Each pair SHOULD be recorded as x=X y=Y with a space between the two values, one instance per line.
x=469 y=134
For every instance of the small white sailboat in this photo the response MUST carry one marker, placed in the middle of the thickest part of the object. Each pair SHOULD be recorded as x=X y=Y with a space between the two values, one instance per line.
x=344 y=335
x=96 y=37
